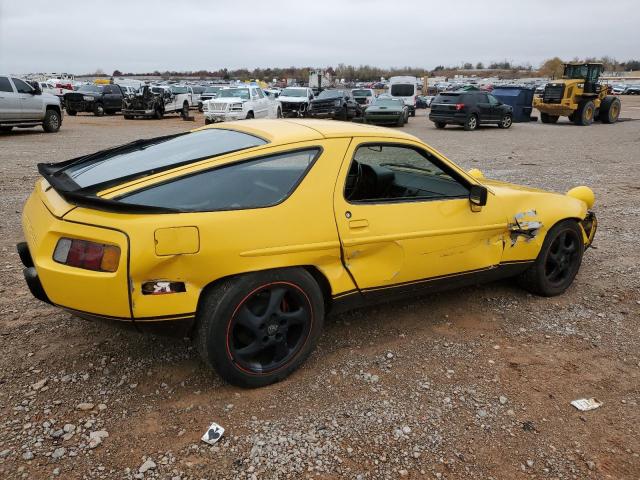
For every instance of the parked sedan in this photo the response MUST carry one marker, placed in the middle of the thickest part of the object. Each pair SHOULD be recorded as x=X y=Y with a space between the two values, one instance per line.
x=387 y=111
x=469 y=109
x=250 y=232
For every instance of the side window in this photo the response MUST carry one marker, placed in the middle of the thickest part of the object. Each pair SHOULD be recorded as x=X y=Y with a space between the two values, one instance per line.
x=252 y=184
x=260 y=94
x=254 y=94
x=392 y=173
x=493 y=100
x=22 y=87
x=5 y=85
x=108 y=89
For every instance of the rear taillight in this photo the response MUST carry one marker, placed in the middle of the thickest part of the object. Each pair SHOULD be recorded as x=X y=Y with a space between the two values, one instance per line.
x=459 y=106
x=87 y=255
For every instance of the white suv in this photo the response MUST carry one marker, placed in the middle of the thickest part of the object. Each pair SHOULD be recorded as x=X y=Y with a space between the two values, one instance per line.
x=24 y=106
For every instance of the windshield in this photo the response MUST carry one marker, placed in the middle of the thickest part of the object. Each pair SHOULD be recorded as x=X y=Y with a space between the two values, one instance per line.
x=388 y=102
x=179 y=89
x=362 y=93
x=242 y=93
x=294 y=92
x=402 y=90
x=156 y=154
x=212 y=89
x=90 y=88
x=331 y=94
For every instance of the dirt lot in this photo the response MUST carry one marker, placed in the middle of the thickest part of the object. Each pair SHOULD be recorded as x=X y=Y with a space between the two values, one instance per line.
x=474 y=383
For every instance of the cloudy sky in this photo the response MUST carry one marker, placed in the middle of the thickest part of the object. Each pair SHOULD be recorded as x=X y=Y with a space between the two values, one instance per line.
x=145 y=35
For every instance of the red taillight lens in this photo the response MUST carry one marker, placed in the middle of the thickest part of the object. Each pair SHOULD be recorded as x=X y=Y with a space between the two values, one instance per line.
x=87 y=255
x=459 y=106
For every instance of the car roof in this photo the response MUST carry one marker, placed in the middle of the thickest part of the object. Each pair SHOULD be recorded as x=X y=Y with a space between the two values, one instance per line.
x=281 y=131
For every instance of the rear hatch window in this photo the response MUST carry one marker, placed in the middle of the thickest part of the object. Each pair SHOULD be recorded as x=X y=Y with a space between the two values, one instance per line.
x=84 y=177
x=402 y=90
x=448 y=98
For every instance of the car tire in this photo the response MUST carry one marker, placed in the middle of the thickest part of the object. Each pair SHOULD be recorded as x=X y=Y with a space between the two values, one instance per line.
x=471 y=123
x=6 y=129
x=557 y=263
x=207 y=121
x=52 y=121
x=400 y=122
x=200 y=107
x=585 y=114
x=413 y=113
x=73 y=113
x=546 y=118
x=610 y=109
x=184 y=112
x=278 y=113
x=128 y=117
x=157 y=113
x=440 y=125
x=256 y=329
x=250 y=115
x=506 y=121
x=98 y=110
x=110 y=112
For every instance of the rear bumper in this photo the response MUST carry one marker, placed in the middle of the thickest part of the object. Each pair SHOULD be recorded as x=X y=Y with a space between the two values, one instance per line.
x=447 y=117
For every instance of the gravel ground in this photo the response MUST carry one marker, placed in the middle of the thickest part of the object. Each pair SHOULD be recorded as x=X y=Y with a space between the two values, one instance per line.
x=474 y=383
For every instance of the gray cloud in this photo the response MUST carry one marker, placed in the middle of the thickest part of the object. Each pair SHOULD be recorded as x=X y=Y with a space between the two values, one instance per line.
x=82 y=36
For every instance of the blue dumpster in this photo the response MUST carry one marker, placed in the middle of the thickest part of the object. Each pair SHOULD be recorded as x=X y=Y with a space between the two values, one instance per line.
x=521 y=99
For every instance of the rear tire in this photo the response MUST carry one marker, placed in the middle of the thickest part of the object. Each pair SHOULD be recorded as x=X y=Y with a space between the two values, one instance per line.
x=51 y=123
x=610 y=109
x=558 y=261
x=546 y=118
x=6 y=129
x=157 y=113
x=471 y=123
x=506 y=121
x=440 y=125
x=184 y=113
x=71 y=112
x=256 y=329
x=98 y=110
x=585 y=113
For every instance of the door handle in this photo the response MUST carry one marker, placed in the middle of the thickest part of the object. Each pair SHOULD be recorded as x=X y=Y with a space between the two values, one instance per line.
x=358 y=223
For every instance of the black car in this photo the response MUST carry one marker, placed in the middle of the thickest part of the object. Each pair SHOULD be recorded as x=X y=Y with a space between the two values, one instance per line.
x=469 y=109
x=98 y=99
x=336 y=104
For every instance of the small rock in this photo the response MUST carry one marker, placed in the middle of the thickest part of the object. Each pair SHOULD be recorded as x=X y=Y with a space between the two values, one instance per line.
x=28 y=455
x=58 y=453
x=85 y=406
x=69 y=427
x=146 y=466
x=403 y=473
x=102 y=406
x=591 y=465
x=5 y=453
x=39 y=385
x=503 y=399
x=95 y=438
x=406 y=430
x=530 y=463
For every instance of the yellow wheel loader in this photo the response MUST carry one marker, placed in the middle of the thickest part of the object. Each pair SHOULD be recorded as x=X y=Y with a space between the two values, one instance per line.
x=579 y=96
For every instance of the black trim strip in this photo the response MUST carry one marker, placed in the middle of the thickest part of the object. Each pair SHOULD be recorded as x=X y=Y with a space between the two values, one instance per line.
x=96 y=316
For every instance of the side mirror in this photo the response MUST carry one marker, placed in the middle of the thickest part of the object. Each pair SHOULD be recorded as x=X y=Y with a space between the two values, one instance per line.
x=478 y=195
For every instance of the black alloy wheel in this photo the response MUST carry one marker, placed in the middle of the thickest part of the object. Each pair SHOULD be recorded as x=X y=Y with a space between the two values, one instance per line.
x=560 y=264
x=269 y=327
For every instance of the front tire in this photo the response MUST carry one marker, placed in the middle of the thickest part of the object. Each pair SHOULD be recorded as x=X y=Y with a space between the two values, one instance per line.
x=256 y=329
x=71 y=112
x=184 y=113
x=585 y=113
x=6 y=129
x=52 y=121
x=558 y=261
x=440 y=125
x=506 y=121
x=546 y=118
x=250 y=115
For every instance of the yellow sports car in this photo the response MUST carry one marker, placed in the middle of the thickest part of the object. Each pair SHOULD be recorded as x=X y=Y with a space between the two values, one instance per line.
x=251 y=232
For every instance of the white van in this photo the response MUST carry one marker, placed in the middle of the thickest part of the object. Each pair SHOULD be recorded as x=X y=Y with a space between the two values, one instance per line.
x=405 y=88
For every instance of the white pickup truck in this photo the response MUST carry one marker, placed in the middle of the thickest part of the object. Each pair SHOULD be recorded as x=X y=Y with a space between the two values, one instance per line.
x=238 y=103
